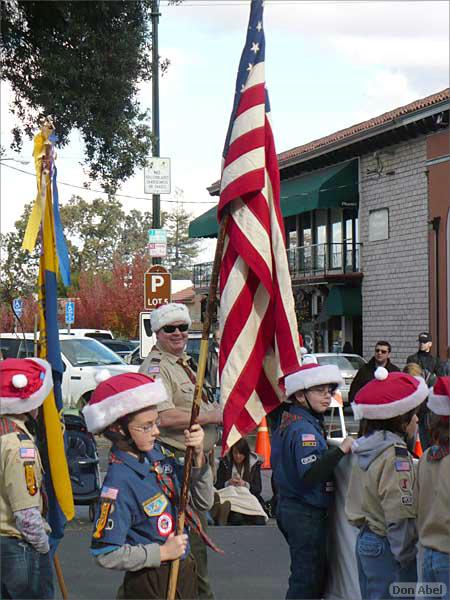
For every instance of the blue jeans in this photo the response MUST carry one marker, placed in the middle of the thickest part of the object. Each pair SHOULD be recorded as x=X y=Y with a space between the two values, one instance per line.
x=25 y=573
x=377 y=567
x=305 y=530
x=435 y=569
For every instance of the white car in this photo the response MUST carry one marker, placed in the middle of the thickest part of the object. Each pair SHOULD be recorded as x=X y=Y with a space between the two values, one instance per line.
x=83 y=358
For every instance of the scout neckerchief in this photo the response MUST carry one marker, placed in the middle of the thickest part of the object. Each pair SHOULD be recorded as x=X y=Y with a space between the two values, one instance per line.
x=437 y=453
x=190 y=373
x=168 y=487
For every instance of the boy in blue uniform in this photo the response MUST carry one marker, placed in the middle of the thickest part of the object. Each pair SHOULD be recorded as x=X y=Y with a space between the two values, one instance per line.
x=135 y=525
x=303 y=469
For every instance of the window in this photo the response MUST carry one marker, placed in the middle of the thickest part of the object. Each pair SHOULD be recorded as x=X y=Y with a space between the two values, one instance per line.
x=379 y=225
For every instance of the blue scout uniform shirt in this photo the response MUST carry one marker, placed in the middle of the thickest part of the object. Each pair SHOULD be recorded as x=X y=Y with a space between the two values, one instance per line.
x=132 y=507
x=296 y=445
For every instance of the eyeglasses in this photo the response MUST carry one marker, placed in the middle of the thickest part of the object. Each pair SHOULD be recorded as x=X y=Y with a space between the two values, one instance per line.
x=145 y=428
x=323 y=389
x=380 y=351
x=172 y=328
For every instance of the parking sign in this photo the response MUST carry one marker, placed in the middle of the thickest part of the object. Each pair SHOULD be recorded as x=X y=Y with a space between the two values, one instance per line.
x=18 y=307
x=70 y=313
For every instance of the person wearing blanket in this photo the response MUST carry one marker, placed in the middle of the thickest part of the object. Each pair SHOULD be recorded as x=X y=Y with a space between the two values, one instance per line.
x=239 y=482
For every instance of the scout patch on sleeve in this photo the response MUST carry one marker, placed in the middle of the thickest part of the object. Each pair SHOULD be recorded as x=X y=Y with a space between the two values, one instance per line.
x=309 y=459
x=27 y=453
x=401 y=451
x=109 y=492
x=153 y=370
x=30 y=478
x=402 y=465
x=167 y=453
x=308 y=439
x=407 y=500
x=165 y=524
x=102 y=520
x=155 y=506
x=405 y=484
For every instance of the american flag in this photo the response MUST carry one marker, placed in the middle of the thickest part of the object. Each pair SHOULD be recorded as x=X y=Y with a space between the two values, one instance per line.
x=259 y=342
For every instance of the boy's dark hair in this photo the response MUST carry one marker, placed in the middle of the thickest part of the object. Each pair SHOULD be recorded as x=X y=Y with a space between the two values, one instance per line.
x=123 y=442
x=438 y=426
x=384 y=343
x=395 y=425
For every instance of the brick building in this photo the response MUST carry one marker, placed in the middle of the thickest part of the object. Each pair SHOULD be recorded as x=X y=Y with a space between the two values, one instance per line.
x=366 y=213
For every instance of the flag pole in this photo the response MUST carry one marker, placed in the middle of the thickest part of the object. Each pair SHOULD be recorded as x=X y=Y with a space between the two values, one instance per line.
x=209 y=315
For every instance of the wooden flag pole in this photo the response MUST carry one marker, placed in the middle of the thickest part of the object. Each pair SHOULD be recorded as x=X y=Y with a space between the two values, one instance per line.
x=60 y=577
x=209 y=314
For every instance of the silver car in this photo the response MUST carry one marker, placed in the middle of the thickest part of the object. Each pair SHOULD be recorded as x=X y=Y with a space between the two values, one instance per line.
x=348 y=364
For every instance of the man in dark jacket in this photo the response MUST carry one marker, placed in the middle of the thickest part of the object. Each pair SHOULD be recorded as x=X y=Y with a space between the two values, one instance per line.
x=430 y=365
x=366 y=373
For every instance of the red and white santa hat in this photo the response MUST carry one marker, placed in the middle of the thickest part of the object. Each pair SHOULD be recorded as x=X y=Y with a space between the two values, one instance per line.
x=439 y=398
x=310 y=374
x=389 y=395
x=120 y=395
x=24 y=384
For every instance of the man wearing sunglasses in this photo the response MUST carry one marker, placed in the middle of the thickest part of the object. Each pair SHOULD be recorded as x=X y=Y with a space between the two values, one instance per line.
x=169 y=362
x=381 y=358
x=430 y=365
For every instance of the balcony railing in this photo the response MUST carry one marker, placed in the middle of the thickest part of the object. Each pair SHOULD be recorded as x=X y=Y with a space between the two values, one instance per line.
x=304 y=261
x=322 y=259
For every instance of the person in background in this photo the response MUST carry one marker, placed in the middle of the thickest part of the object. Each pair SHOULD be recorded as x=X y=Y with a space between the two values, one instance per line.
x=433 y=492
x=423 y=412
x=446 y=367
x=241 y=467
x=26 y=569
x=381 y=358
x=430 y=365
x=348 y=348
x=136 y=517
x=169 y=362
x=303 y=468
x=380 y=501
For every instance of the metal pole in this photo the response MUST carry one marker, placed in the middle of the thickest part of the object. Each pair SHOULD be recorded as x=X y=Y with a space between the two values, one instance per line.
x=156 y=212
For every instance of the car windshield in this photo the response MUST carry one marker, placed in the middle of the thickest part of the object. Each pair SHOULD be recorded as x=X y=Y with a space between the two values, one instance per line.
x=344 y=363
x=88 y=351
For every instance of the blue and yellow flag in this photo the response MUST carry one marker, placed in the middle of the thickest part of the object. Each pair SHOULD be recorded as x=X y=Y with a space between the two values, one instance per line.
x=45 y=215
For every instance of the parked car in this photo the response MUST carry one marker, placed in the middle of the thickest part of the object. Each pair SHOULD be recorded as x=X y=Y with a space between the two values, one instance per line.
x=97 y=334
x=83 y=358
x=121 y=347
x=348 y=365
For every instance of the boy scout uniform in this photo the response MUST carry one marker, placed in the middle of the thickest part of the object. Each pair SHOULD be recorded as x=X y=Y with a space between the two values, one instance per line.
x=21 y=474
x=383 y=493
x=179 y=377
x=433 y=490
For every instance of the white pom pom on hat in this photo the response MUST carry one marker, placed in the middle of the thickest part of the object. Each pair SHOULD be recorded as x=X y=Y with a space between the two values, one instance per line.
x=102 y=375
x=19 y=381
x=381 y=373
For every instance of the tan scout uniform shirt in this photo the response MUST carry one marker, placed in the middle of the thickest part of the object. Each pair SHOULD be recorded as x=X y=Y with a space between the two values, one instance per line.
x=181 y=395
x=384 y=493
x=20 y=476
x=433 y=498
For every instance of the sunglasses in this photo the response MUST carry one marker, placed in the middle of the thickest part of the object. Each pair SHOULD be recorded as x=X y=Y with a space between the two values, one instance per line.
x=172 y=328
x=380 y=351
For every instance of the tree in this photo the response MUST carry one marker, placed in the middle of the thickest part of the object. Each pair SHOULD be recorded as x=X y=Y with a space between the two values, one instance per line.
x=181 y=250
x=82 y=62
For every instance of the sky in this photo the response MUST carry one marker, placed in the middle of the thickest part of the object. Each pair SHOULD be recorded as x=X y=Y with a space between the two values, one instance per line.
x=329 y=65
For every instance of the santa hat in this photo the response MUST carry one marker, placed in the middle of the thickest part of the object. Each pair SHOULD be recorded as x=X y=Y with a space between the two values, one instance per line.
x=168 y=314
x=120 y=395
x=439 y=398
x=24 y=384
x=389 y=395
x=311 y=374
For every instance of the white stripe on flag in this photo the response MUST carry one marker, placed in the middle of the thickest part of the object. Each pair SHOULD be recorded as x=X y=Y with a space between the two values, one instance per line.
x=252 y=118
x=250 y=161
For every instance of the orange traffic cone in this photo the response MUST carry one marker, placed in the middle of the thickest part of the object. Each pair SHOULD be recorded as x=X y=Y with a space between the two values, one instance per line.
x=418 y=447
x=263 y=443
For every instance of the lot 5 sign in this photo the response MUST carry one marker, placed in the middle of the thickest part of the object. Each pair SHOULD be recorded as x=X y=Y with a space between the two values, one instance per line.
x=157 y=287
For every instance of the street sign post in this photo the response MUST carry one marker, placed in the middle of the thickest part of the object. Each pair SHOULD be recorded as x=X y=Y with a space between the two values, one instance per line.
x=157 y=287
x=157 y=243
x=70 y=314
x=157 y=176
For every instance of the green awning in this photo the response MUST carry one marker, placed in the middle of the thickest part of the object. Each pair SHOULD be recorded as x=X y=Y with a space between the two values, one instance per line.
x=205 y=225
x=345 y=301
x=333 y=187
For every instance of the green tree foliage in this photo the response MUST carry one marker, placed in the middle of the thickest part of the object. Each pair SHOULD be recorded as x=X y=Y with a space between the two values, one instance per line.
x=82 y=62
x=181 y=250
